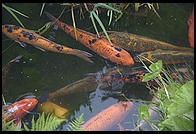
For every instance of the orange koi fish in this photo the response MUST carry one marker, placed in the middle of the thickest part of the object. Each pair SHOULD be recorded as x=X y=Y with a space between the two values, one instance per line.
x=98 y=45
x=137 y=43
x=6 y=68
x=191 y=29
x=168 y=57
x=18 y=110
x=108 y=117
x=22 y=35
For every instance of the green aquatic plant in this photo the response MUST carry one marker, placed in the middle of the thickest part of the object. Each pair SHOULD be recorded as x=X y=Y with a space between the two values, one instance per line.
x=11 y=11
x=9 y=126
x=177 y=104
x=94 y=14
x=76 y=124
x=137 y=6
x=48 y=123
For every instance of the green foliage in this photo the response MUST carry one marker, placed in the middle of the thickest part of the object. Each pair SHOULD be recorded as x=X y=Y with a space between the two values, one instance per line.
x=76 y=124
x=9 y=126
x=44 y=28
x=177 y=104
x=180 y=114
x=94 y=15
x=143 y=112
x=49 y=123
x=156 y=69
x=11 y=11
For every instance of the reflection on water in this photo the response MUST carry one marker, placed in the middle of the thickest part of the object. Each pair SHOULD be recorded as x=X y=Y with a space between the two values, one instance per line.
x=41 y=71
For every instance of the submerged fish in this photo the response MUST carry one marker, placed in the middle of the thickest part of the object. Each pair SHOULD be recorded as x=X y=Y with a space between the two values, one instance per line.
x=191 y=29
x=100 y=46
x=49 y=107
x=18 y=110
x=22 y=36
x=6 y=68
x=168 y=57
x=136 y=43
x=108 y=117
x=121 y=75
x=86 y=84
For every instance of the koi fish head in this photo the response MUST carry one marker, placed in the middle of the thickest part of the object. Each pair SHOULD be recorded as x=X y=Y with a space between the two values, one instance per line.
x=19 y=109
x=123 y=57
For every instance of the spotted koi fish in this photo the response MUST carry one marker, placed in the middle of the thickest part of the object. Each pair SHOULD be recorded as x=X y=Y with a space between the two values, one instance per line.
x=191 y=29
x=100 y=46
x=168 y=57
x=136 y=43
x=108 y=117
x=6 y=68
x=22 y=36
x=136 y=74
x=18 y=110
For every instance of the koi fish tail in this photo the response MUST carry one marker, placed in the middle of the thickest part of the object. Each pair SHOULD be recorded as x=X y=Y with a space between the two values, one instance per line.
x=82 y=54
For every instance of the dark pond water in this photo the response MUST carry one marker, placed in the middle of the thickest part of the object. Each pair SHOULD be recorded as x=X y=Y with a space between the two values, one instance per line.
x=47 y=71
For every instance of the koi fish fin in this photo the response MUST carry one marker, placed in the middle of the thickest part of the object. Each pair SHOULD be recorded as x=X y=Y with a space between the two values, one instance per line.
x=51 y=17
x=42 y=99
x=22 y=44
x=40 y=49
x=82 y=54
x=120 y=127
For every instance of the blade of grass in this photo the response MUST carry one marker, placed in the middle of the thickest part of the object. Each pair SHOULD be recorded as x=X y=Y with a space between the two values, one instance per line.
x=18 y=12
x=43 y=5
x=93 y=21
x=74 y=24
x=122 y=13
x=106 y=6
x=110 y=14
x=102 y=26
x=10 y=11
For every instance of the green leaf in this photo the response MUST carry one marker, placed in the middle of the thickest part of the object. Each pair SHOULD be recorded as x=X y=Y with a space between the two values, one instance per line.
x=150 y=76
x=49 y=124
x=76 y=124
x=178 y=124
x=143 y=112
x=156 y=67
x=183 y=101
